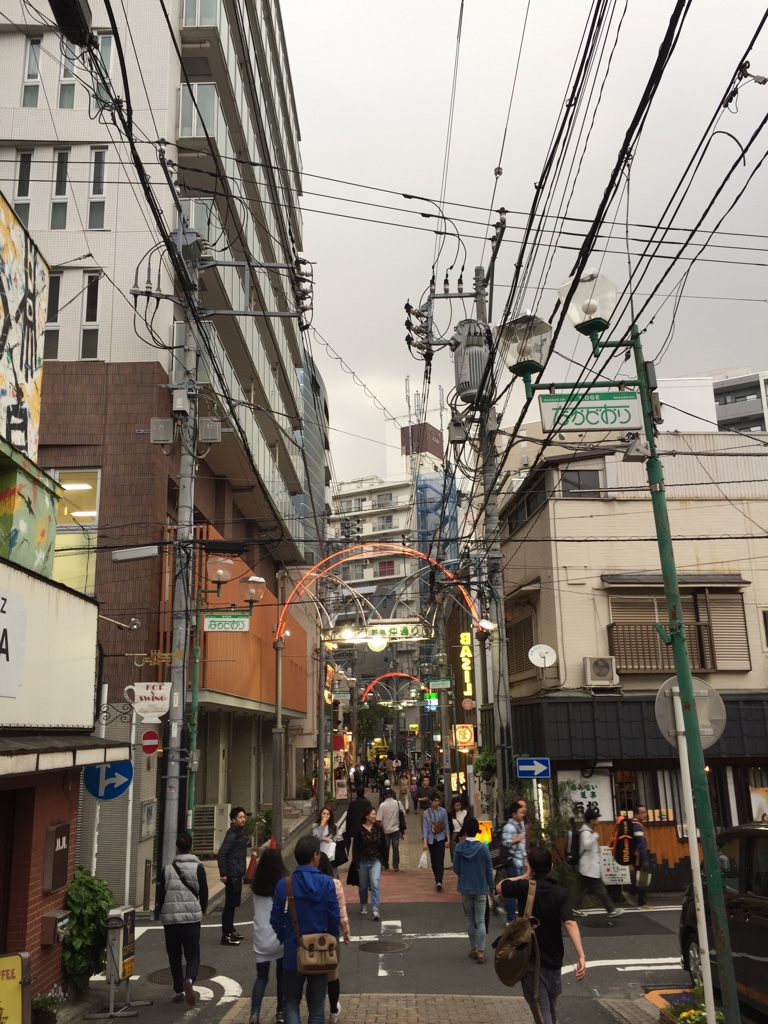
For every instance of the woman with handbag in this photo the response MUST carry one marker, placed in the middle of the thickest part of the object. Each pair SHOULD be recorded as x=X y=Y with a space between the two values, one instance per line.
x=269 y=870
x=334 y=987
x=325 y=830
x=457 y=814
x=369 y=853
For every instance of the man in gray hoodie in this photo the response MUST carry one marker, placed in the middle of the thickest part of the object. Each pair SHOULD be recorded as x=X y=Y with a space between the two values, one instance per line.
x=181 y=901
x=472 y=863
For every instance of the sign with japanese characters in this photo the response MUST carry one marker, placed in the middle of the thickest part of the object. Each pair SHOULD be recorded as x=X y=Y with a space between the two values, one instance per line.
x=595 y=410
x=611 y=872
x=389 y=629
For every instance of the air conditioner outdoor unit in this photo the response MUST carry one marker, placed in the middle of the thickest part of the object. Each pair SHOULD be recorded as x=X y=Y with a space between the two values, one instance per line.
x=601 y=672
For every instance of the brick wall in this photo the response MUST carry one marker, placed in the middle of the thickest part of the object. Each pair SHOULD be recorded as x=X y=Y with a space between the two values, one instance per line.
x=42 y=800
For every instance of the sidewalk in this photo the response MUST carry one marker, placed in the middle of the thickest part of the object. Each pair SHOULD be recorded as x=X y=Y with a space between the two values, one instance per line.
x=405 y=1008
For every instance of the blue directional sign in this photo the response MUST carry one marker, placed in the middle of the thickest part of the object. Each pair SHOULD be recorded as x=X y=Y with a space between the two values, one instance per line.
x=108 y=781
x=533 y=768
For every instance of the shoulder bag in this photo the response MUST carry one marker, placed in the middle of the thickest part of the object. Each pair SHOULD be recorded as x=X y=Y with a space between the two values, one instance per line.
x=317 y=952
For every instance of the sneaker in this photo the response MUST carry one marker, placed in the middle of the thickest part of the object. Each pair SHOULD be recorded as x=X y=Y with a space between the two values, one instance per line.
x=472 y=954
x=363 y=908
x=439 y=886
x=480 y=957
x=237 y=935
x=229 y=940
x=189 y=993
x=179 y=997
x=375 y=915
x=333 y=1018
x=254 y=1018
x=279 y=1017
x=614 y=913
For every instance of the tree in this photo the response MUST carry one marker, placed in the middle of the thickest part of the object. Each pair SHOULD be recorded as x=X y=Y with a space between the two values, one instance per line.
x=371 y=719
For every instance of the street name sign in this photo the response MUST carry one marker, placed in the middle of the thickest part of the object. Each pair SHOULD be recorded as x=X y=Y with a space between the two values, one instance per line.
x=108 y=781
x=227 y=622
x=533 y=768
x=595 y=410
x=440 y=684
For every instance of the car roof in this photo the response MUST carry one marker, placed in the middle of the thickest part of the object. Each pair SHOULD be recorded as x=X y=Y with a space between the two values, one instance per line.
x=750 y=828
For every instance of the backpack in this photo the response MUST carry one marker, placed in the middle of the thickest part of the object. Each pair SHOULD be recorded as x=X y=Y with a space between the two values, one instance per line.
x=515 y=944
x=573 y=849
x=621 y=840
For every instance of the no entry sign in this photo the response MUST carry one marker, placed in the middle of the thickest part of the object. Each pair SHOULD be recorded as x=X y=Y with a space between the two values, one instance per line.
x=150 y=741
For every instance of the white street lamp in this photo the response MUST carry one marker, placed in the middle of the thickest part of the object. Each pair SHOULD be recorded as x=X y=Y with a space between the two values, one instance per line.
x=593 y=302
x=252 y=589
x=528 y=339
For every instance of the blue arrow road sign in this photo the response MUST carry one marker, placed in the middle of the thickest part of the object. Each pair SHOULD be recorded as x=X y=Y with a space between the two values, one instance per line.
x=533 y=768
x=108 y=781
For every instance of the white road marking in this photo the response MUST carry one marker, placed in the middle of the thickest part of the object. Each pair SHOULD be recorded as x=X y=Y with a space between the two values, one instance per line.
x=390 y=928
x=638 y=963
x=650 y=967
x=232 y=991
x=206 y=994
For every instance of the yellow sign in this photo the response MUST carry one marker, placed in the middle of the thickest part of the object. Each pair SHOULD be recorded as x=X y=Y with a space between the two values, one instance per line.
x=465 y=657
x=464 y=735
x=485 y=834
x=14 y=979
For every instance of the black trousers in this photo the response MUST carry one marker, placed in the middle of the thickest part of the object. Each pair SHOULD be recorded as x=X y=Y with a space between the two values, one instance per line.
x=437 y=856
x=233 y=891
x=183 y=938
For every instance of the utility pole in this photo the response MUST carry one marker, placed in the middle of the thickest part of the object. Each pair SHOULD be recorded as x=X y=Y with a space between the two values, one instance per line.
x=185 y=409
x=278 y=733
x=321 y=733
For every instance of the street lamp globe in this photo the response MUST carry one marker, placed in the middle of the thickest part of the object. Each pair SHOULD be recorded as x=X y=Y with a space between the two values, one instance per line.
x=252 y=589
x=592 y=303
x=376 y=643
x=526 y=341
x=219 y=570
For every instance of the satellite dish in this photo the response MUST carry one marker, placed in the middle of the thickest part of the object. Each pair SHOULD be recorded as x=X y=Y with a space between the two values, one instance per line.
x=542 y=656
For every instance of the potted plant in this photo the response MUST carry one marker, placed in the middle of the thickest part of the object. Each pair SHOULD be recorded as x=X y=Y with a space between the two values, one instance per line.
x=89 y=900
x=687 y=1008
x=45 y=1008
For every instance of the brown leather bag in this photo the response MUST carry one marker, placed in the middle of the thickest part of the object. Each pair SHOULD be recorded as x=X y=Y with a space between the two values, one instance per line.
x=316 y=953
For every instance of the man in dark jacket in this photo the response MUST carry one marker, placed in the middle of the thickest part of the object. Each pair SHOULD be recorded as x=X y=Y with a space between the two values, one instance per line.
x=472 y=863
x=317 y=910
x=355 y=814
x=232 y=864
x=181 y=900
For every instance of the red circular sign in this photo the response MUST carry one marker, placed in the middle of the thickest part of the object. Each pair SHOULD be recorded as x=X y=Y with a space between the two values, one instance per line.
x=467 y=704
x=150 y=741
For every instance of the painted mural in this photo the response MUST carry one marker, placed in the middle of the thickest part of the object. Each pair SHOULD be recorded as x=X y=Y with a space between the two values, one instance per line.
x=23 y=302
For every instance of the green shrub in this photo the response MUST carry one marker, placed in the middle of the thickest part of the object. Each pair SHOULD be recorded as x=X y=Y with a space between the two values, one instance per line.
x=485 y=764
x=89 y=901
x=259 y=826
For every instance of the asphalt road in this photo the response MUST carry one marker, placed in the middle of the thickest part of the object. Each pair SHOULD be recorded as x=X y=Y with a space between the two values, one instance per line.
x=626 y=958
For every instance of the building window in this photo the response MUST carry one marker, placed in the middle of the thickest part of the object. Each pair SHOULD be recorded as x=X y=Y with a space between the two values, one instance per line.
x=96 y=200
x=90 y=332
x=658 y=791
x=67 y=79
x=74 y=562
x=385 y=523
x=352 y=571
x=103 y=88
x=23 y=178
x=519 y=642
x=387 y=568
x=383 y=501
x=51 y=338
x=32 y=74
x=576 y=480
x=715 y=626
x=60 y=189
x=198 y=117
x=527 y=507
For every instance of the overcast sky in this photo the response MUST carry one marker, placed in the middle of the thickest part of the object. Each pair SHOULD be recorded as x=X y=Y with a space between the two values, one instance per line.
x=373 y=86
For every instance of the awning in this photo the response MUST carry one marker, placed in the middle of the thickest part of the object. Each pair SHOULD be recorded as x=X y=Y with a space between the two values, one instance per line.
x=26 y=753
x=686 y=579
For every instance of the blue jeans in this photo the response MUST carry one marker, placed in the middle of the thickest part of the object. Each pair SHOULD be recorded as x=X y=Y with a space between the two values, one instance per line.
x=512 y=871
x=550 y=987
x=474 y=911
x=293 y=986
x=260 y=984
x=370 y=873
x=393 y=844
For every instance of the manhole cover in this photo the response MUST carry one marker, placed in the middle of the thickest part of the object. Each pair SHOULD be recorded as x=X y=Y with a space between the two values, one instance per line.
x=383 y=946
x=164 y=977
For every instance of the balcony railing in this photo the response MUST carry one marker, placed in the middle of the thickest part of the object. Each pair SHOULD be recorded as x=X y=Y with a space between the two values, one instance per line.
x=638 y=647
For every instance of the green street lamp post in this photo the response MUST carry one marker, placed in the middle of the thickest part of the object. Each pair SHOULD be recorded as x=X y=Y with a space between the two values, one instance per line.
x=591 y=302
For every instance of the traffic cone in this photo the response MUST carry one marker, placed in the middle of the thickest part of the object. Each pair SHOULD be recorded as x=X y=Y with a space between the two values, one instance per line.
x=273 y=843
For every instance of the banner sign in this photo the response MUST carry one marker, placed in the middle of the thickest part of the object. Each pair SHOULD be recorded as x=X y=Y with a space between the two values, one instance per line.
x=595 y=410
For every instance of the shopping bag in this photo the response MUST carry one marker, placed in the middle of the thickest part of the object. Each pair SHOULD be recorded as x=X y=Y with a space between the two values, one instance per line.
x=643 y=879
x=423 y=859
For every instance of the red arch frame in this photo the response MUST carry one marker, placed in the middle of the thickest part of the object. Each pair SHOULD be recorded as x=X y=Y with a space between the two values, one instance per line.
x=387 y=675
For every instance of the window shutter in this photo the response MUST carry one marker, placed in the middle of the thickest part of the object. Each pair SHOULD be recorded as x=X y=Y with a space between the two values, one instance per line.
x=729 y=632
x=519 y=642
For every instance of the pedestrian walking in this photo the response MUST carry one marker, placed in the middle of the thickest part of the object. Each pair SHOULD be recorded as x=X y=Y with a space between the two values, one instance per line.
x=404 y=791
x=268 y=949
x=434 y=830
x=414 y=791
x=513 y=839
x=641 y=861
x=425 y=794
x=472 y=863
x=552 y=909
x=181 y=900
x=334 y=985
x=389 y=817
x=369 y=852
x=357 y=808
x=317 y=910
x=231 y=859
x=588 y=865
x=325 y=829
x=457 y=815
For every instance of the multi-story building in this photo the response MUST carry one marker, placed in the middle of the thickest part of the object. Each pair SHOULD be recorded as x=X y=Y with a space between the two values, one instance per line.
x=582 y=576
x=210 y=98
x=741 y=399
x=314 y=503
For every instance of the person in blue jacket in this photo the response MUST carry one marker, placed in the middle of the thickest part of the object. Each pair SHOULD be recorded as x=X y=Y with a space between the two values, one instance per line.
x=472 y=863
x=317 y=910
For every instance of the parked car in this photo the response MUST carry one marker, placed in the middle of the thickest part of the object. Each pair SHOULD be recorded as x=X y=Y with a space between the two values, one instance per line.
x=743 y=856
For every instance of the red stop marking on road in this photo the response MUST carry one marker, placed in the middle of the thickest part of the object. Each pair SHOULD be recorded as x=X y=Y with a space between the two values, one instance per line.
x=150 y=741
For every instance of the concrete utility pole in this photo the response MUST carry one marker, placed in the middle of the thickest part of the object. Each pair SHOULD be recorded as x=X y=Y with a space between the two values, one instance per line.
x=278 y=733
x=500 y=682
x=185 y=409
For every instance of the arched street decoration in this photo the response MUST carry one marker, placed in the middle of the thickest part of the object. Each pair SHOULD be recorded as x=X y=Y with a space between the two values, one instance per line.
x=387 y=675
x=331 y=562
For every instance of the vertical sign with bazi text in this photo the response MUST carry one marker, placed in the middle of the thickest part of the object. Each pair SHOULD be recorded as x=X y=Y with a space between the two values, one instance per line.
x=13 y=635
